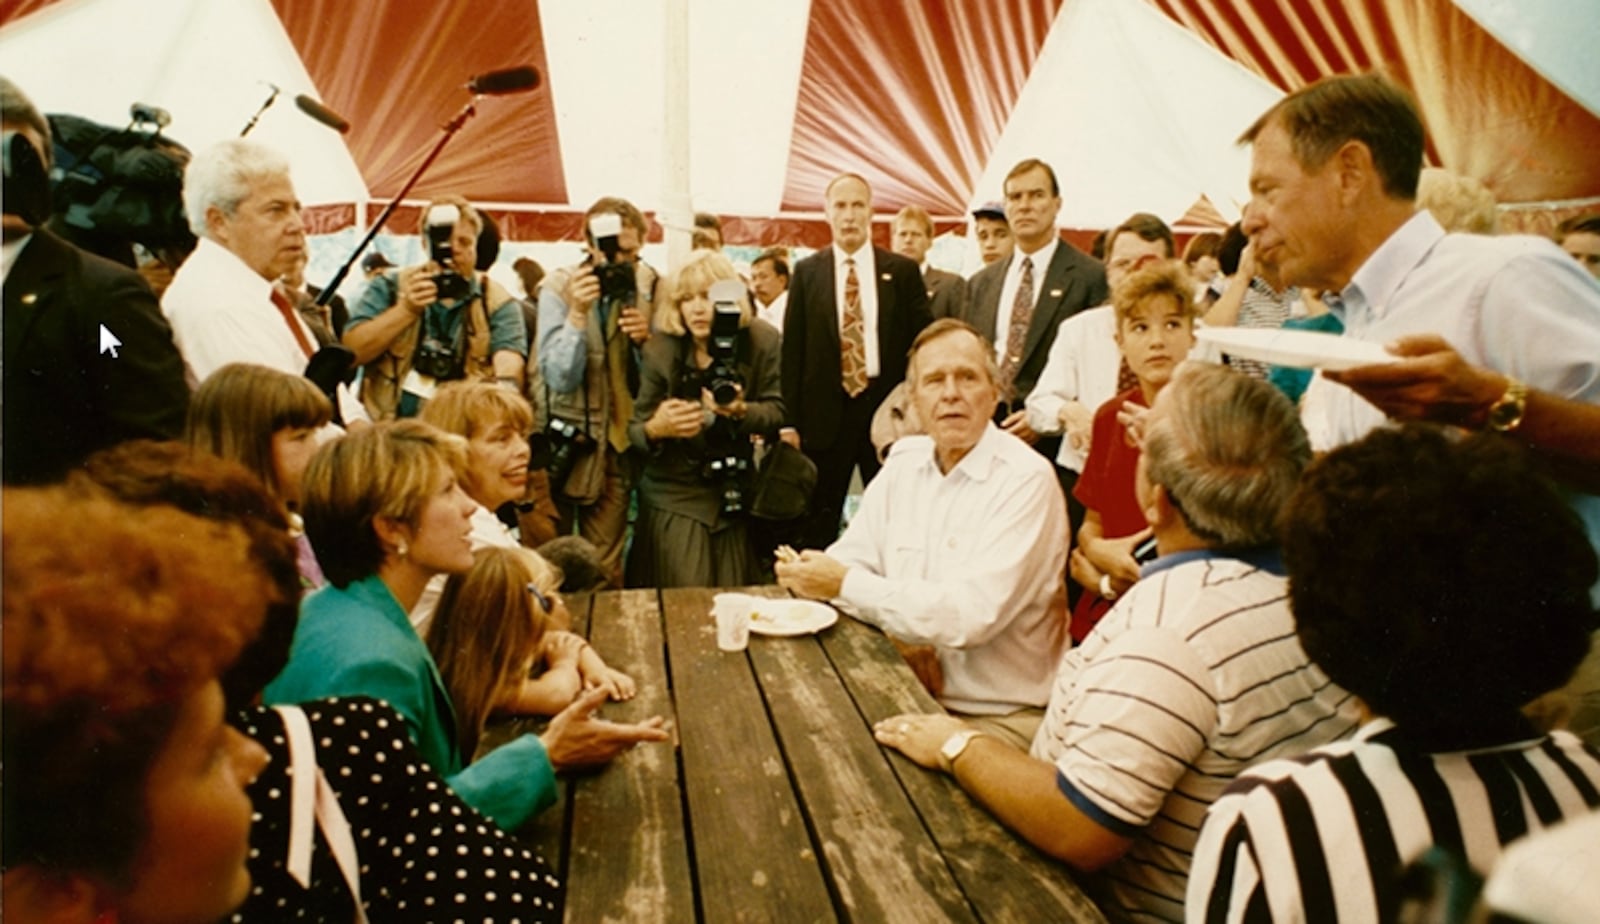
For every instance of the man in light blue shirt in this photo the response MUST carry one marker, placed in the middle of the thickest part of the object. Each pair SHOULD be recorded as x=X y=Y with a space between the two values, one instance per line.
x=592 y=317
x=1333 y=184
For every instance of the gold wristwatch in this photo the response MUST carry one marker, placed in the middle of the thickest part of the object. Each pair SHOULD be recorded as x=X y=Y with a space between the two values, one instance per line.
x=1505 y=415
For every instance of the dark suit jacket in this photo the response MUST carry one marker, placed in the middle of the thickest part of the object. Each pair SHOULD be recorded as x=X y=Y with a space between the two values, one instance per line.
x=947 y=293
x=1074 y=281
x=63 y=398
x=811 y=369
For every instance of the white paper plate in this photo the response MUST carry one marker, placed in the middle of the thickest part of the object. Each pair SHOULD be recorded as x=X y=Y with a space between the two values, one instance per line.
x=1301 y=349
x=790 y=617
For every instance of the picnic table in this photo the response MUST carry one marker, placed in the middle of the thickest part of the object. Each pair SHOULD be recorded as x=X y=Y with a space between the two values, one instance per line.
x=776 y=803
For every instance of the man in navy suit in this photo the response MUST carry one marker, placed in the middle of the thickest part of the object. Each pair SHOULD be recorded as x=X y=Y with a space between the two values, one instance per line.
x=854 y=310
x=1018 y=303
x=89 y=359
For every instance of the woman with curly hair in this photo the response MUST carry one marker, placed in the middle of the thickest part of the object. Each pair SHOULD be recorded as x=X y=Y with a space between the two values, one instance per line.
x=357 y=748
x=124 y=789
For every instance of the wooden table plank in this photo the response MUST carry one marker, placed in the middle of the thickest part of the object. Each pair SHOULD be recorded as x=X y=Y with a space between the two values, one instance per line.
x=1005 y=878
x=628 y=859
x=883 y=865
x=753 y=857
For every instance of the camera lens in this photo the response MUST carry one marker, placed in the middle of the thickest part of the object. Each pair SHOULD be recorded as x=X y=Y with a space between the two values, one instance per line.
x=724 y=391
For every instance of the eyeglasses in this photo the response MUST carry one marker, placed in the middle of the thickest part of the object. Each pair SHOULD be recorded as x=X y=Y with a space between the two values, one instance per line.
x=545 y=603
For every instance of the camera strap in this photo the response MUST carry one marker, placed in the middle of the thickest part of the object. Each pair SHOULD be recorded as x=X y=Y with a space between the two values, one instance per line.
x=548 y=413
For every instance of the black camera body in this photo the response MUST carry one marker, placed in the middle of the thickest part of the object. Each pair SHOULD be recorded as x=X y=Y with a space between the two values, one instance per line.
x=729 y=473
x=619 y=282
x=563 y=445
x=722 y=377
x=441 y=227
x=439 y=359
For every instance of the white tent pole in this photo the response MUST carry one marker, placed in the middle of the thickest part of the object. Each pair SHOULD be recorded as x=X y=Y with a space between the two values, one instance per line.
x=677 y=209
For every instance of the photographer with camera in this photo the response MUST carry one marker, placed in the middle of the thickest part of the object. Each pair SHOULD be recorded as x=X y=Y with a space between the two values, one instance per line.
x=709 y=381
x=592 y=319
x=437 y=322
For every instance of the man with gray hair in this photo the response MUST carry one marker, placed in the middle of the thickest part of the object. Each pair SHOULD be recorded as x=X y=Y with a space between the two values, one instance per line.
x=1195 y=674
x=222 y=302
x=960 y=544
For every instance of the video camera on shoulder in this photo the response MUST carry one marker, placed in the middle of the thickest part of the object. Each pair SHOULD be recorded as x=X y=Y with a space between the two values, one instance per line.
x=619 y=283
x=441 y=228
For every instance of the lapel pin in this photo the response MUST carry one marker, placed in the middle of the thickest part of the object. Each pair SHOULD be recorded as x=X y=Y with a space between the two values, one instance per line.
x=1055 y=293
x=29 y=298
x=886 y=277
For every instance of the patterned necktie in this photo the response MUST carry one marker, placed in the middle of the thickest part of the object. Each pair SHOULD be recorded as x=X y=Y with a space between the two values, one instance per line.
x=1125 y=377
x=1017 y=335
x=281 y=302
x=853 y=340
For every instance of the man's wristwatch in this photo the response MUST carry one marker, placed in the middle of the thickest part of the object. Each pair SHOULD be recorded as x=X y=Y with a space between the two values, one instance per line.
x=1505 y=415
x=954 y=745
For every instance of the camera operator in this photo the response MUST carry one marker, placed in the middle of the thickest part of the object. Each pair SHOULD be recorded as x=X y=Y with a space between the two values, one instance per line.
x=592 y=318
x=709 y=381
x=440 y=321
x=67 y=394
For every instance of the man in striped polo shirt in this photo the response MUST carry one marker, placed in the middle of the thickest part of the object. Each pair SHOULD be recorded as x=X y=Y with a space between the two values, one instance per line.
x=1193 y=675
x=1445 y=583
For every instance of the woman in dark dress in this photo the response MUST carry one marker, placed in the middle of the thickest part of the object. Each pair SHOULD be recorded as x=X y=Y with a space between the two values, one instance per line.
x=691 y=528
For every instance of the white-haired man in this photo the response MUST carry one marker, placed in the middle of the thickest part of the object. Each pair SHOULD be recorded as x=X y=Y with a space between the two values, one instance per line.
x=1193 y=676
x=223 y=304
x=959 y=545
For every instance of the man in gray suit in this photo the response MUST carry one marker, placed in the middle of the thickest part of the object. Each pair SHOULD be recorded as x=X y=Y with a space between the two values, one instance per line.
x=912 y=238
x=1018 y=303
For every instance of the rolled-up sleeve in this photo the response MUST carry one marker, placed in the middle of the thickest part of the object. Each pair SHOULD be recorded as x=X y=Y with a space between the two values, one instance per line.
x=563 y=349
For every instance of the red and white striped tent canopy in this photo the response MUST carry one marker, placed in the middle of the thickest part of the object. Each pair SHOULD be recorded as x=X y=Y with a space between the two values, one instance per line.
x=1135 y=102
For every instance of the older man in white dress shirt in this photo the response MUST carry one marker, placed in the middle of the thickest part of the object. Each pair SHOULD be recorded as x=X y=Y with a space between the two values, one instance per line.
x=223 y=305
x=960 y=544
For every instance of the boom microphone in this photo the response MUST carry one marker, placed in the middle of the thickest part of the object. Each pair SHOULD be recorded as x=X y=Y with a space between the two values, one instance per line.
x=322 y=113
x=144 y=113
x=510 y=80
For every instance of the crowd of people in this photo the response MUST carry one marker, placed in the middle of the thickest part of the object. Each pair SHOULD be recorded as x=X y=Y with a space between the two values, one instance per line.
x=1235 y=641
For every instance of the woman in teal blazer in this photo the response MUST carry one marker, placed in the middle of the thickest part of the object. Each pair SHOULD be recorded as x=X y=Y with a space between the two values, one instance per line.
x=384 y=514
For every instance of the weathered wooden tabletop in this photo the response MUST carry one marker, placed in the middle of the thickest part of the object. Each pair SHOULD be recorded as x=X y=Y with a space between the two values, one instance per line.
x=777 y=804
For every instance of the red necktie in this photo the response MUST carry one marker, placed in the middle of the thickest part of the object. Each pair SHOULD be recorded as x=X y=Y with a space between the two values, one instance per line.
x=853 y=360
x=287 y=310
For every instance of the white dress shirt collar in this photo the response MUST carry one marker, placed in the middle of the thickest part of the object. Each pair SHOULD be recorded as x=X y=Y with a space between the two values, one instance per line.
x=9 y=251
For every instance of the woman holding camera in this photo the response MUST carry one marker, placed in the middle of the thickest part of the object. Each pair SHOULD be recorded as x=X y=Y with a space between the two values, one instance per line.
x=705 y=389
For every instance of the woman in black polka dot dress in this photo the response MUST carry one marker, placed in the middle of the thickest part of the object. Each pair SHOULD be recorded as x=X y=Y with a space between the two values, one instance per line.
x=419 y=852
x=423 y=854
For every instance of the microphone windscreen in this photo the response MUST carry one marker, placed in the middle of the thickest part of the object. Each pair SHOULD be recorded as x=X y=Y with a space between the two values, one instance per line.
x=510 y=80
x=321 y=113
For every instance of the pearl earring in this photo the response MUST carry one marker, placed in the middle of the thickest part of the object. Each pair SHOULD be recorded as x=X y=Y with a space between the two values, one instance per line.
x=404 y=549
